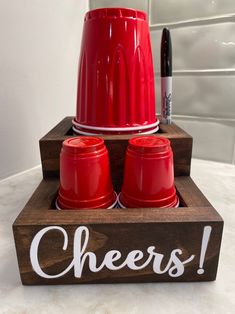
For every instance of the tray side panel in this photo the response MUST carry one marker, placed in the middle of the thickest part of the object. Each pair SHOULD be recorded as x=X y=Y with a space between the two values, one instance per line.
x=118 y=252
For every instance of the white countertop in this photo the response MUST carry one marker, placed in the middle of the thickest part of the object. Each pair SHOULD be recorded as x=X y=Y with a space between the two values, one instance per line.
x=216 y=180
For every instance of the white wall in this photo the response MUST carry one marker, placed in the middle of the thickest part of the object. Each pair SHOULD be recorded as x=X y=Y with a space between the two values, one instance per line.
x=203 y=39
x=39 y=50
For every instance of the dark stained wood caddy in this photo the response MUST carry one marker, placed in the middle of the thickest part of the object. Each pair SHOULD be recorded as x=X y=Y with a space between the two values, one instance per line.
x=123 y=230
x=50 y=146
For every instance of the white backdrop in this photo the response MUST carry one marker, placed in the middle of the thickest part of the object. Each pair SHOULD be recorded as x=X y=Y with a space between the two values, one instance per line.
x=39 y=50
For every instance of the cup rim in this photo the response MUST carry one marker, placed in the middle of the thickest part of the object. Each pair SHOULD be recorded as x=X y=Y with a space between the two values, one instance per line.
x=110 y=207
x=134 y=128
x=77 y=131
x=122 y=206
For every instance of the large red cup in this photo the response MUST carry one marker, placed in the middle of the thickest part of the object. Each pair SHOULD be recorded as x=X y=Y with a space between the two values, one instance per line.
x=116 y=81
x=85 y=180
x=149 y=174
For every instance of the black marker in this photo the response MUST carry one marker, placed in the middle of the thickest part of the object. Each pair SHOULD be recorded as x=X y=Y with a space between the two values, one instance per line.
x=166 y=77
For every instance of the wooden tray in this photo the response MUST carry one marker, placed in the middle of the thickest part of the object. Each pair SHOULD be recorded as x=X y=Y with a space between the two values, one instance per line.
x=50 y=146
x=117 y=245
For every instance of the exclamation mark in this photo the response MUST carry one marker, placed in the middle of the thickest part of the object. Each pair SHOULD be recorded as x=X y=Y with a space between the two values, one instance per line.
x=205 y=240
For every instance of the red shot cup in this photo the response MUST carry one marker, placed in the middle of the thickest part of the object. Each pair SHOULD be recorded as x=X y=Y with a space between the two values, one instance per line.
x=115 y=92
x=85 y=180
x=148 y=174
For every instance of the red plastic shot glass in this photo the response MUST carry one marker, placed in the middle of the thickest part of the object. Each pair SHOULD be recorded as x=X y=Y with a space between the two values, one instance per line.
x=85 y=180
x=149 y=174
x=115 y=92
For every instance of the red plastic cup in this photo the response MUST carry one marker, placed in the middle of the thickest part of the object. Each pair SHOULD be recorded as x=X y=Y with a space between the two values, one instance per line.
x=115 y=92
x=85 y=180
x=149 y=174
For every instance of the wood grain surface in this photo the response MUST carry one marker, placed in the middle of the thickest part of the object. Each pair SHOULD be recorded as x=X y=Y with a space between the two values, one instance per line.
x=50 y=146
x=119 y=229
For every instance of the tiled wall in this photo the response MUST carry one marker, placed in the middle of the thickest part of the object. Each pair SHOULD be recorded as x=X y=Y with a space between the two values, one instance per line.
x=203 y=39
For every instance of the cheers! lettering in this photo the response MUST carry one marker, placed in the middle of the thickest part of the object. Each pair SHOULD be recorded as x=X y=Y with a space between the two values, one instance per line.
x=174 y=267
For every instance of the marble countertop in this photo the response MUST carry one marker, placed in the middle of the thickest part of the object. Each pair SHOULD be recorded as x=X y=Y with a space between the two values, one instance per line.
x=216 y=180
